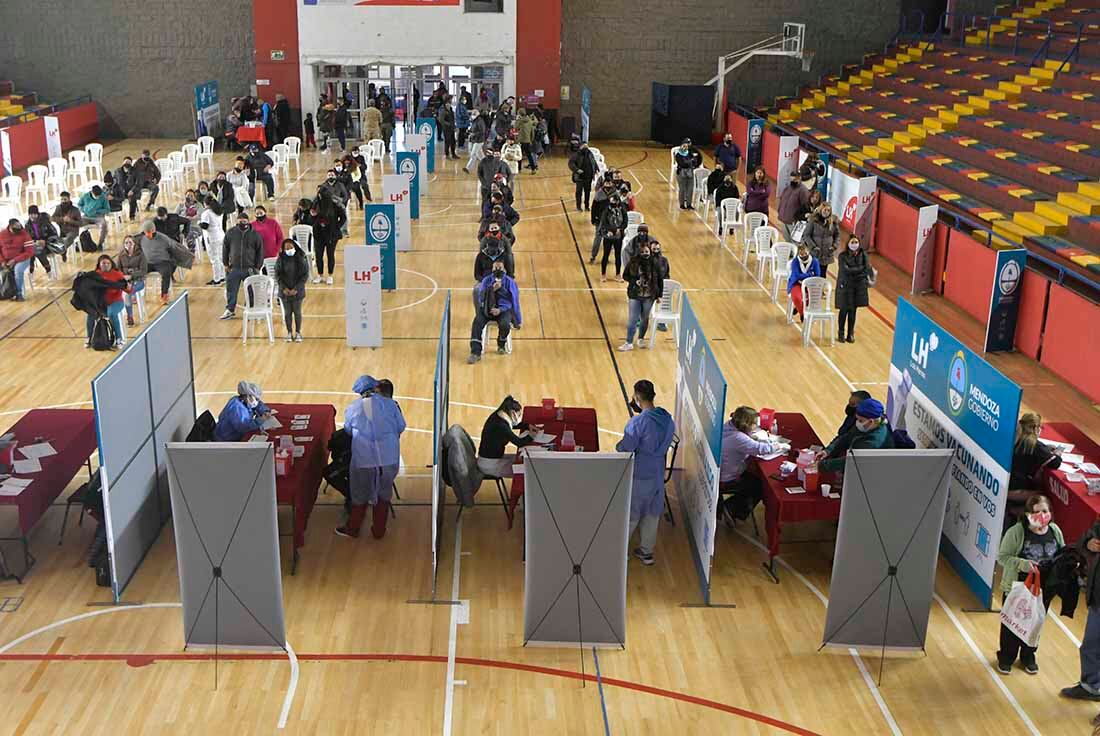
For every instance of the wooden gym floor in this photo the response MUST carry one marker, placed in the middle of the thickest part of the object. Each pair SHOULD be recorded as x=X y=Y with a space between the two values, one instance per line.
x=373 y=663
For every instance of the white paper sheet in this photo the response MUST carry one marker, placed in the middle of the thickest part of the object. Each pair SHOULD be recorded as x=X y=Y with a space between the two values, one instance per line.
x=302 y=416
x=18 y=482
x=272 y=423
x=1072 y=458
x=796 y=490
x=299 y=451
x=259 y=439
x=1090 y=468
x=1063 y=446
x=41 y=450
x=30 y=465
x=544 y=439
x=303 y=439
x=6 y=490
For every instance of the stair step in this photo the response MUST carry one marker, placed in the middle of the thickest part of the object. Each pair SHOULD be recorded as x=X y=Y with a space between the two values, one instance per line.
x=1090 y=189
x=1053 y=64
x=937 y=124
x=1055 y=212
x=949 y=116
x=876 y=152
x=1011 y=230
x=1079 y=203
x=995 y=94
x=980 y=103
x=1037 y=224
x=1025 y=80
x=909 y=137
x=1011 y=89
x=962 y=109
x=1042 y=73
x=917 y=131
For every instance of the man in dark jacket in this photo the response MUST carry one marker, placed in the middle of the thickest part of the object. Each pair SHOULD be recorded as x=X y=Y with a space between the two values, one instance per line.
x=282 y=118
x=341 y=119
x=172 y=225
x=446 y=119
x=259 y=169
x=869 y=432
x=68 y=218
x=143 y=174
x=41 y=231
x=497 y=199
x=1088 y=688
x=688 y=159
x=728 y=154
x=582 y=165
x=242 y=256
x=487 y=170
x=479 y=129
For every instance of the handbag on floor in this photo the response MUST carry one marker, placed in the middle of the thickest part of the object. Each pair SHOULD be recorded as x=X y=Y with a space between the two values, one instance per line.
x=87 y=244
x=1023 y=612
x=7 y=284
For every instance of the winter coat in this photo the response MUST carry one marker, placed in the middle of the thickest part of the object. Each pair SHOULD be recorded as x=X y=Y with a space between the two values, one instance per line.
x=757 y=196
x=478 y=130
x=135 y=266
x=462 y=116
x=643 y=279
x=821 y=238
x=459 y=462
x=291 y=272
x=612 y=221
x=851 y=279
x=243 y=250
x=90 y=293
x=372 y=123
x=162 y=249
x=583 y=163
x=16 y=247
x=513 y=154
x=800 y=274
x=525 y=125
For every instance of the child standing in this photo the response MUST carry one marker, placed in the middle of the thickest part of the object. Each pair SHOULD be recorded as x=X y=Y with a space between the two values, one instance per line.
x=311 y=141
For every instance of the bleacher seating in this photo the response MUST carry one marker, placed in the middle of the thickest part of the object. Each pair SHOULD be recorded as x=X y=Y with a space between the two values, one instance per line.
x=16 y=103
x=1010 y=143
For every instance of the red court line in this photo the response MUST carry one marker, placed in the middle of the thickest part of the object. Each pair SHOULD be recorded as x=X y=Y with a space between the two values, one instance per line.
x=881 y=316
x=142 y=660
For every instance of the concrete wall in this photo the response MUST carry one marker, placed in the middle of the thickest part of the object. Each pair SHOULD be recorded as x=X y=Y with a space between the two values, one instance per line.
x=139 y=59
x=617 y=48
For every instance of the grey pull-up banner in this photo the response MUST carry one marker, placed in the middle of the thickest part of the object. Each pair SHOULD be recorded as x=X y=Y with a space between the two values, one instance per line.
x=891 y=516
x=227 y=544
x=577 y=520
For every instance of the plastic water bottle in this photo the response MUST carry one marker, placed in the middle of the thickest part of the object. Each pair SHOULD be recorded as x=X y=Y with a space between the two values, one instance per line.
x=775 y=426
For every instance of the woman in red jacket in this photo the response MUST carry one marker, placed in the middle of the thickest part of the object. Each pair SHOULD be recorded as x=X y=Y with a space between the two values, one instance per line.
x=107 y=270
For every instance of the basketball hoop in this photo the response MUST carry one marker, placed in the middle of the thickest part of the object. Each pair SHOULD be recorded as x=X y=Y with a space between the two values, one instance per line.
x=807 y=59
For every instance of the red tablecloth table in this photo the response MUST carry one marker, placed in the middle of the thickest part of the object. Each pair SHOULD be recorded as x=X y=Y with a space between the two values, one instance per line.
x=586 y=434
x=781 y=507
x=252 y=134
x=72 y=434
x=1073 y=508
x=298 y=489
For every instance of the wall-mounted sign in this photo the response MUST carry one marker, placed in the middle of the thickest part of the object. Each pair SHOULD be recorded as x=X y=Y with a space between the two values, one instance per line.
x=278 y=55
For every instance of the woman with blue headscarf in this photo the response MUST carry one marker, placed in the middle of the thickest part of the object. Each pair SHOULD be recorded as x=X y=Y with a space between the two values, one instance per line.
x=243 y=414
x=375 y=424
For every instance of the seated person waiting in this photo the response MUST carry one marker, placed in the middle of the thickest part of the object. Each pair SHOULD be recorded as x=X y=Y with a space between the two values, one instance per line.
x=243 y=414
x=869 y=432
x=497 y=299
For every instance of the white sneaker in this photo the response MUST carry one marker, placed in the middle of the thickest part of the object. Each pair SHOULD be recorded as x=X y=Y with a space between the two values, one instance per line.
x=626 y=347
x=645 y=344
x=120 y=343
x=227 y=315
x=288 y=338
x=316 y=279
x=329 y=281
x=298 y=337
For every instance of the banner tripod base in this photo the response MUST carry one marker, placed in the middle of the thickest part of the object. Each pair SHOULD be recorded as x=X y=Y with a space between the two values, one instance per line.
x=980 y=610
x=708 y=605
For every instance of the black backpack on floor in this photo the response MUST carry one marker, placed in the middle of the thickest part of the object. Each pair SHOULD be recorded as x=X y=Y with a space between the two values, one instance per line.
x=103 y=334
x=86 y=243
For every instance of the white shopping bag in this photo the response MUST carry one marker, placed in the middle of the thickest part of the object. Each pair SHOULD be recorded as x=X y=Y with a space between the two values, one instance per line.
x=242 y=198
x=1023 y=612
x=798 y=230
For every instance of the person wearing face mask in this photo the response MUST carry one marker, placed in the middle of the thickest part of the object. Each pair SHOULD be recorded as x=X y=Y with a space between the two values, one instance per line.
x=172 y=225
x=727 y=189
x=497 y=434
x=496 y=216
x=630 y=247
x=329 y=218
x=758 y=191
x=67 y=218
x=336 y=187
x=644 y=287
x=1027 y=544
x=270 y=232
x=648 y=435
x=242 y=187
x=143 y=174
x=222 y=190
x=500 y=184
x=850 y=411
x=794 y=202
x=803 y=266
x=106 y=270
x=728 y=154
x=487 y=170
x=131 y=261
x=42 y=232
x=512 y=153
x=496 y=199
x=869 y=432
x=582 y=168
x=494 y=248
x=497 y=300
x=479 y=130
x=852 y=281
x=163 y=255
x=811 y=171
x=741 y=491
x=259 y=169
x=212 y=231
x=94 y=207
x=822 y=235
x=243 y=414
x=242 y=256
x=291 y=272
x=687 y=160
x=375 y=423
x=16 y=253
x=610 y=230
x=600 y=202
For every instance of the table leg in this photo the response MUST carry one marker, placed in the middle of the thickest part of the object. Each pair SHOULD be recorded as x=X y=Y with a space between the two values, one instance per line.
x=293 y=539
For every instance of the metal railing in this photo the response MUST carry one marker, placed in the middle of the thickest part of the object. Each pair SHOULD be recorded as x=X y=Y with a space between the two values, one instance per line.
x=23 y=117
x=949 y=214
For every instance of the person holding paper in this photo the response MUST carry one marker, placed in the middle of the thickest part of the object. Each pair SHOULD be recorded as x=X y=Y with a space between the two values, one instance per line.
x=648 y=435
x=742 y=490
x=1028 y=543
x=869 y=432
x=243 y=414
x=1030 y=458
x=375 y=423
x=497 y=434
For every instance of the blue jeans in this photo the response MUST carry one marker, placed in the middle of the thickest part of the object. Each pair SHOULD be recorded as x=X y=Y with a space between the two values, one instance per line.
x=128 y=299
x=638 y=318
x=113 y=311
x=233 y=280
x=20 y=269
x=1090 y=652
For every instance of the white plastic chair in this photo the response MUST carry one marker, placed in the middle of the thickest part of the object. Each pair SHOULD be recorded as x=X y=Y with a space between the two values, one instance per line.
x=167 y=173
x=667 y=311
x=634 y=218
x=94 y=165
x=762 y=239
x=303 y=236
x=751 y=221
x=816 y=299
x=78 y=167
x=280 y=156
x=139 y=301
x=727 y=218
x=781 y=267
x=190 y=163
x=11 y=191
x=37 y=183
x=672 y=169
x=699 y=192
x=206 y=153
x=376 y=151
x=176 y=158
x=57 y=179
x=294 y=153
x=258 y=294
x=485 y=337
x=629 y=232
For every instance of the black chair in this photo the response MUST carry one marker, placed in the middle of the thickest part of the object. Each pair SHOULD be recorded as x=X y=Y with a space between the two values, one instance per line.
x=77 y=496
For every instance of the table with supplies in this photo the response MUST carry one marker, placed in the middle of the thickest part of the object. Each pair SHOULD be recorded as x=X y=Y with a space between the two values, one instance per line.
x=311 y=426
x=556 y=421
x=51 y=446
x=1073 y=507
x=252 y=134
x=781 y=506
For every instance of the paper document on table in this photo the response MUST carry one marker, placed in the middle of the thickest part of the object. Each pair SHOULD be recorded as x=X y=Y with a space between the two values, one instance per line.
x=259 y=439
x=544 y=439
x=272 y=423
x=781 y=452
x=8 y=490
x=30 y=465
x=1089 y=468
x=1072 y=459
x=18 y=482
x=298 y=417
x=796 y=489
x=303 y=439
x=1063 y=446
x=40 y=450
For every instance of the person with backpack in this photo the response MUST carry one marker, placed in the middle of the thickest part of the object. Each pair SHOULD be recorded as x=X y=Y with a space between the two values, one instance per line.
x=611 y=228
x=112 y=303
x=16 y=253
x=94 y=209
